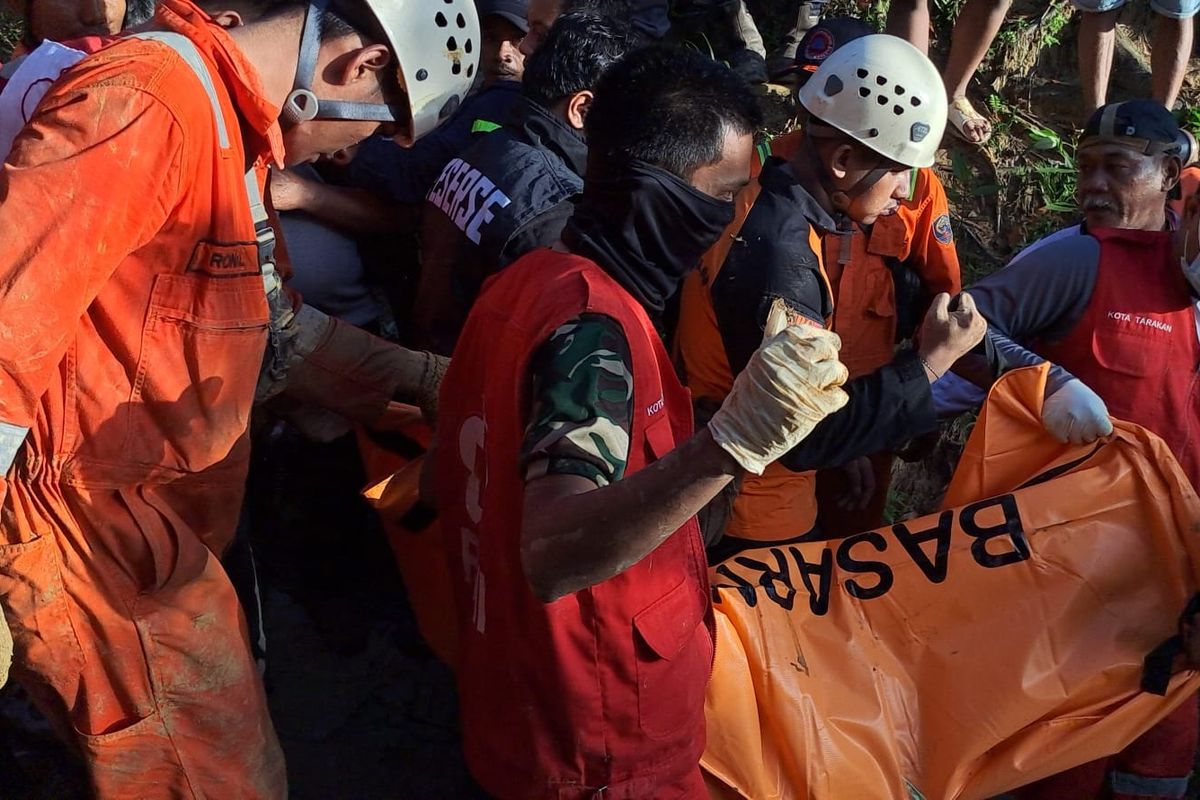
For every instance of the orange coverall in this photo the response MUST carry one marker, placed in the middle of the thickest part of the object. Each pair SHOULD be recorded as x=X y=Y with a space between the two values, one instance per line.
x=132 y=329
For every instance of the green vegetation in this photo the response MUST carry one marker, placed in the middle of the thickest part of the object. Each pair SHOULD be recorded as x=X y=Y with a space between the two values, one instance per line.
x=10 y=34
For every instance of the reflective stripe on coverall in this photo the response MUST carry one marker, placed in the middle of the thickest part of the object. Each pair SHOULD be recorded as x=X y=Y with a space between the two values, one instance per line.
x=133 y=327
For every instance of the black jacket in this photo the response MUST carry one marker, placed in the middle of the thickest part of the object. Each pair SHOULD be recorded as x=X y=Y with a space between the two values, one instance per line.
x=772 y=257
x=507 y=194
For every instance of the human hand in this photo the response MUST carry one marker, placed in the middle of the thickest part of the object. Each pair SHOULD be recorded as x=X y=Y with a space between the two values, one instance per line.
x=946 y=336
x=1076 y=414
x=860 y=484
x=6 y=649
x=791 y=383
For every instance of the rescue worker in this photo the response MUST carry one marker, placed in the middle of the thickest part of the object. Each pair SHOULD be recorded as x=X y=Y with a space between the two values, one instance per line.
x=127 y=377
x=405 y=174
x=60 y=20
x=883 y=279
x=568 y=473
x=875 y=114
x=1114 y=307
x=647 y=16
x=529 y=173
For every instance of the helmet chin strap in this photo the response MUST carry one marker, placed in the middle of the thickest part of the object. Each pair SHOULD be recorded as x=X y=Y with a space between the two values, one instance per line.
x=302 y=103
x=811 y=134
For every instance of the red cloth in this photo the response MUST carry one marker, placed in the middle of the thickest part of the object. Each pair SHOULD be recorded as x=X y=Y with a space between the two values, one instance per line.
x=1136 y=345
x=603 y=688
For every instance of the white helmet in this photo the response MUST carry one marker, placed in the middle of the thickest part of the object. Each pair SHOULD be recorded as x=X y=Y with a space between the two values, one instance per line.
x=435 y=44
x=883 y=92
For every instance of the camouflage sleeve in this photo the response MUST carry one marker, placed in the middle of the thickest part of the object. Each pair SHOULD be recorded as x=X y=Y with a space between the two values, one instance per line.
x=582 y=403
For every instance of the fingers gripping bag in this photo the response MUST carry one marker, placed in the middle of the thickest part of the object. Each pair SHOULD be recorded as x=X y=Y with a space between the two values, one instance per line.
x=971 y=651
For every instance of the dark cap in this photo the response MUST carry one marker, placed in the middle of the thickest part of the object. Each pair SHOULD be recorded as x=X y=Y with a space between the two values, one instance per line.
x=821 y=40
x=1141 y=125
x=512 y=10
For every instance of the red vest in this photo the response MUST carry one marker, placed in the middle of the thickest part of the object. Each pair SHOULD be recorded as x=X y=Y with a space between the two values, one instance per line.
x=1136 y=345
x=603 y=688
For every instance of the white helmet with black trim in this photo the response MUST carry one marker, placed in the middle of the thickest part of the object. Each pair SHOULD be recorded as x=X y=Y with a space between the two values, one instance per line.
x=884 y=93
x=436 y=47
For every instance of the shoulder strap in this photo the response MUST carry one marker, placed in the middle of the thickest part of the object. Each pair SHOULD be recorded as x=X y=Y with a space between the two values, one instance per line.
x=263 y=232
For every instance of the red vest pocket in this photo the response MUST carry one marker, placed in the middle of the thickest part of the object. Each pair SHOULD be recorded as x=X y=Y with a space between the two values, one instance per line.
x=1128 y=353
x=673 y=660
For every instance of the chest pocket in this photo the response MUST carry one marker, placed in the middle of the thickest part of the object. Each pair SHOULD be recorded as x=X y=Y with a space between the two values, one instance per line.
x=1121 y=348
x=204 y=336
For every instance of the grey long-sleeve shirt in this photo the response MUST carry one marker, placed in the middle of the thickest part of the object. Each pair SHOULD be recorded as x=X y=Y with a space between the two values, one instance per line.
x=1040 y=296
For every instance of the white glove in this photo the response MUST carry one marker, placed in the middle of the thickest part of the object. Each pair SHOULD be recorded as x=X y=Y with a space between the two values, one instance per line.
x=1076 y=414
x=6 y=648
x=790 y=384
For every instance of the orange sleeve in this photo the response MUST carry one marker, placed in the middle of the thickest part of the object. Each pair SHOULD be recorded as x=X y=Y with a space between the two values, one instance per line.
x=932 y=254
x=89 y=180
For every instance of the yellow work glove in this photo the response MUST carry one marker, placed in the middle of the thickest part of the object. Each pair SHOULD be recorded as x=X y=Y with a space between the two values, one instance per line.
x=791 y=383
x=6 y=648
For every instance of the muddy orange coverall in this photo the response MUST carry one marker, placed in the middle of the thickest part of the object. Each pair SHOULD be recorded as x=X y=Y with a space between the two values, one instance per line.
x=133 y=325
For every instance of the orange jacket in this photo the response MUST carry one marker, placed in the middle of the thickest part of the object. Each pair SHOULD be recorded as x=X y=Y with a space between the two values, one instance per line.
x=132 y=311
x=781 y=503
x=133 y=321
x=1189 y=184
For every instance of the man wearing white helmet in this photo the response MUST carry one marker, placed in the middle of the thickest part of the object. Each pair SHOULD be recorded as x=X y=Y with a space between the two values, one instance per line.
x=875 y=112
x=141 y=311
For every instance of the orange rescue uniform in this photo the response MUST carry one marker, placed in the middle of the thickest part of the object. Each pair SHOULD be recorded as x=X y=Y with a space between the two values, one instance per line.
x=857 y=269
x=132 y=328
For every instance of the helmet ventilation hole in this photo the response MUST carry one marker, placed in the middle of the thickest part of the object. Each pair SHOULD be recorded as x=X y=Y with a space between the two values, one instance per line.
x=862 y=73
x=899 y=90
x=864 y=91
x=452 y=44
x=916 y=101
x=462 y=21
x=883 y=101
x=441 y=20
x=880 y=80
x=898 y=110
x=468 y=47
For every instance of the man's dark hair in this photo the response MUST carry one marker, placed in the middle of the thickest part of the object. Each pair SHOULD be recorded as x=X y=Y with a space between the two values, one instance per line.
x=610 y=9
x=137 y=12
x=340 y=18
x=670 y=107
x=573 y=56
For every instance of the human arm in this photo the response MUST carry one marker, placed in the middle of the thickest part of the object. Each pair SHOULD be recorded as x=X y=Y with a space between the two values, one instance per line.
x=347 y=209
x=1039 y=296
x=576 y=535
x=887 y=407
x=79 y=192
x=932 y=254
x=580 y=529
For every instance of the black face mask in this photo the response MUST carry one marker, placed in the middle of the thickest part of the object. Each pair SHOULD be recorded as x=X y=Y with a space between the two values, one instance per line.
x=644 y=226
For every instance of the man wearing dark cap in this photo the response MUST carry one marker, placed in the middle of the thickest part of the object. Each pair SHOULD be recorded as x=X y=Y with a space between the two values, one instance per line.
x=1113 y=304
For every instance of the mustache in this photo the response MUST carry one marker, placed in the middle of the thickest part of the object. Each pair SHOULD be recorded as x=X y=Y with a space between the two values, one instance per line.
x=1098 y=203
